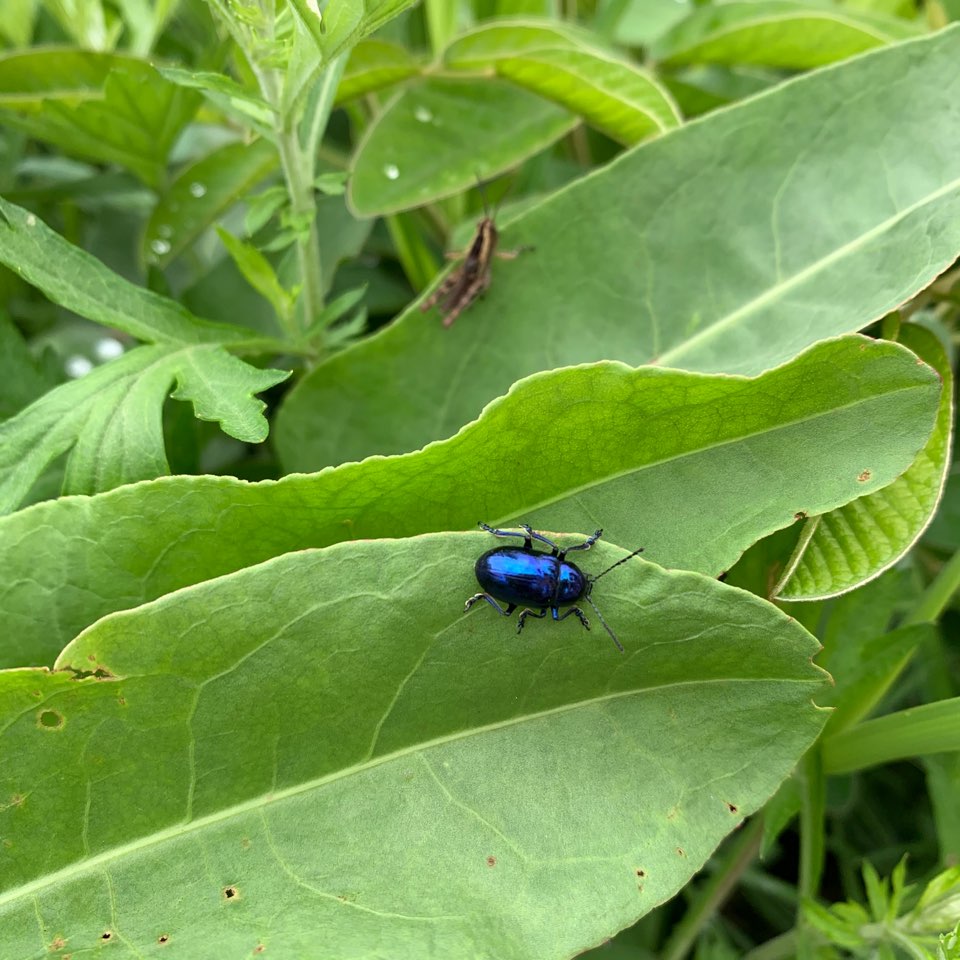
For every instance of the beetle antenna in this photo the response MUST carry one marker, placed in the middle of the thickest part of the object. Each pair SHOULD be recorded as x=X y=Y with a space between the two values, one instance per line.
x=617 y=564
x=596 y=610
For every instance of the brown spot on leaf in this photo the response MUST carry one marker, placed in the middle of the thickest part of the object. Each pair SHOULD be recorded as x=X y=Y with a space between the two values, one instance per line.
x=17 y=800
x=259 y=948
x=864 y=475
x=92 y=657
x=58 y=942
x=680 y=852
x=122 y=701
x=491 y=861
x=641 y=873
x=50 y=720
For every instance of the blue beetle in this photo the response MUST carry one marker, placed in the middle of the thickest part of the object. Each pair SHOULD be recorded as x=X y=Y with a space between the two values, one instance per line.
x=529 y=578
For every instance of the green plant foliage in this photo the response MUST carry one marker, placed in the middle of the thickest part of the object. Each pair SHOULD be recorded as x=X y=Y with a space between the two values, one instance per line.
x=932 y=728
x=111 y=418
x=100 y=106
x=200 y=194
x=438 y=136
x=842 y=549
x=373 y=65
x=777 y=33
x=694 y=250
x=663 y=449
x=493 y=810
x=608 y=92
x=244 y=711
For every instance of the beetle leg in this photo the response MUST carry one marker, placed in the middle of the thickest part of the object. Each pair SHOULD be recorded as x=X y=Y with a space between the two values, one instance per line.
x=527 y=542
x=493 y=603
x=529 y=613
x=539 y=536
x=586 y=545
x=574 y=611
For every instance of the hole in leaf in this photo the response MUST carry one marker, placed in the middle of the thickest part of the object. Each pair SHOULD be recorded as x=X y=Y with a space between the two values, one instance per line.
x=106 y=935
x=50 y=720
x=230 y=893
x=163 y=938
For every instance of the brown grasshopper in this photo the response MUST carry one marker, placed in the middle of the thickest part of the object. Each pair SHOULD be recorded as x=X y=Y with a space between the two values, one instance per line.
x=472 y=277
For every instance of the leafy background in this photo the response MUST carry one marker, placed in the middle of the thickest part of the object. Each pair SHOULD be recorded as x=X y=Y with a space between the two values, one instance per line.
x=243 y=711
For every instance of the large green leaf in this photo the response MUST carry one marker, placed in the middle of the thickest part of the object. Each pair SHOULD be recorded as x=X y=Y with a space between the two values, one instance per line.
x=325 y=750
x=777 y=33
x=111 y=418
x=846 y=547
x=609 y=92
x=693 y=467
x=730 y=244
x=108 y=107
x=437 y=136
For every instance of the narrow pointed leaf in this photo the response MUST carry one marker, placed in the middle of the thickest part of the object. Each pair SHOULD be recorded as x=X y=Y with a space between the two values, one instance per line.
x=847 y=547
x=659 y=458
x=201 y=193
x=78 y=281
x=931 y=728
x=253 y=773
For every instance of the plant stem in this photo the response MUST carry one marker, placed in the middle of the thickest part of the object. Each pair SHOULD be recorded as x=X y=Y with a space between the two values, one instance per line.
x=783 y=947
x=298 y=172
x=935 y=598
x=715 y=891
x=811 y=841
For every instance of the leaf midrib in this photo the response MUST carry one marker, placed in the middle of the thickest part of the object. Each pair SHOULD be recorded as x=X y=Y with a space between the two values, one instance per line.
x=176 y=831
x=572 y=491
x=773 y=293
